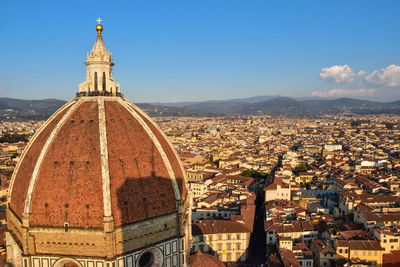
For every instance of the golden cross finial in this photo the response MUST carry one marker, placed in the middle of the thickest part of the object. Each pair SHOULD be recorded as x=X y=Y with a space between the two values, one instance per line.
x=99 y=20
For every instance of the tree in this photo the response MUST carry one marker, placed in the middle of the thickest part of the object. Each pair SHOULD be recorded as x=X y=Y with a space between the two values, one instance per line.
x=211 y=159
x=248 y=172
x=302 y=167
x=254 y=174
x=13 y=138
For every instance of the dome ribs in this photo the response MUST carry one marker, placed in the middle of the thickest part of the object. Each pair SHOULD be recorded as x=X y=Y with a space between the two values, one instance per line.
x=23 y=172
x=145 y=175
x=122 y=167
x=140 y=184
x=61 y=195
x=105 y=170
x=126 y=193
x=166 y=160
x=171 y=154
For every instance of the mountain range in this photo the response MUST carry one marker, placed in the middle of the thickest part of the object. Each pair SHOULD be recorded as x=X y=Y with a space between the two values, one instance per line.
x=12 y=109
x=17 y=109
x=280 y=105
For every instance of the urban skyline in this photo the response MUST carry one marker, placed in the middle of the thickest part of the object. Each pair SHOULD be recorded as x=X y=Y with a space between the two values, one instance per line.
x=266 y=181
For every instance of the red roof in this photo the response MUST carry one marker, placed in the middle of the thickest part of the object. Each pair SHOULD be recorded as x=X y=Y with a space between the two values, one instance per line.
x=392 y=259
x=277 y=181
x=219 y=226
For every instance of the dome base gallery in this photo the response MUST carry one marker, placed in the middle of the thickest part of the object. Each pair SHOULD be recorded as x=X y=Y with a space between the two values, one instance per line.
x=98 y=185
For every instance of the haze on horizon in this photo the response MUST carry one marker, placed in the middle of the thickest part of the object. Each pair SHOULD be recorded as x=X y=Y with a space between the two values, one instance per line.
x=170 y=51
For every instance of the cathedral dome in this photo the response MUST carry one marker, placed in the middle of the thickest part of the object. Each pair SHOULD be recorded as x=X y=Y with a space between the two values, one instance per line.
x=97 y=157
x=99 y=183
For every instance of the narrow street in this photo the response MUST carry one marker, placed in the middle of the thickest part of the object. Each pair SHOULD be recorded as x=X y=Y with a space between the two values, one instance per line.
x=257 y=247
x=257 y=242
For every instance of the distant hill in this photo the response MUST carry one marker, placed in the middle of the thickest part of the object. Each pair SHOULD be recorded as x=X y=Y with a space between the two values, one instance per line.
x=278 y=105
x=395 y=102
x=164 y=111
x=12 y=109
x=34 y=105
x=255 y=99
x=17 y=109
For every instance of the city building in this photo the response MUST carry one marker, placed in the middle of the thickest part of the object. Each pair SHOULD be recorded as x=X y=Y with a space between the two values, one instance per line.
x=359 y=252
x=228 y=240
x=277 y=190
x=325 y=254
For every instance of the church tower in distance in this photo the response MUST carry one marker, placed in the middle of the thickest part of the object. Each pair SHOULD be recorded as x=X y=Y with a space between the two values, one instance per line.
x=98 y=185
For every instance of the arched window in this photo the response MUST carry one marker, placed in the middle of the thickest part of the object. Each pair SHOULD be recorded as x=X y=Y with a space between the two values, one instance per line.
x=95 y=81
x=104 y=81
x=237 y=246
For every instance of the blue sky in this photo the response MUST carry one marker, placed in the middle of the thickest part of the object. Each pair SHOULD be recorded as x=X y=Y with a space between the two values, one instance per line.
x=199 y=50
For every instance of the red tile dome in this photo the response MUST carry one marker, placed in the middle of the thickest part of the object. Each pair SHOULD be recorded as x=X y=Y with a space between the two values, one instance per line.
x=97 y=157
x=200 y=259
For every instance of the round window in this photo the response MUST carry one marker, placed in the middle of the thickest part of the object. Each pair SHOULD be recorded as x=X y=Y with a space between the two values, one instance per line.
x=146 y=260
x=151 y=257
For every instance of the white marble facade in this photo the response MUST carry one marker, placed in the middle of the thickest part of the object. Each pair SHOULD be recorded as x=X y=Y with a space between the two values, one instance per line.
x=170 y=253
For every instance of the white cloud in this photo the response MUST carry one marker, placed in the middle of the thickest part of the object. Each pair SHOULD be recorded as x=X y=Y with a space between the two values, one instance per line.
x=361 y=73
x=389 y=76
x=345 y=92
x=338 y=74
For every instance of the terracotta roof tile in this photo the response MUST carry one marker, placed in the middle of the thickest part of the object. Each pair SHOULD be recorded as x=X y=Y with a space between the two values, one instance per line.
x=69 y=177
x=69 y=187
x=200 y=259
x=24 y=174
x=219 y=226
x=140 y=184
